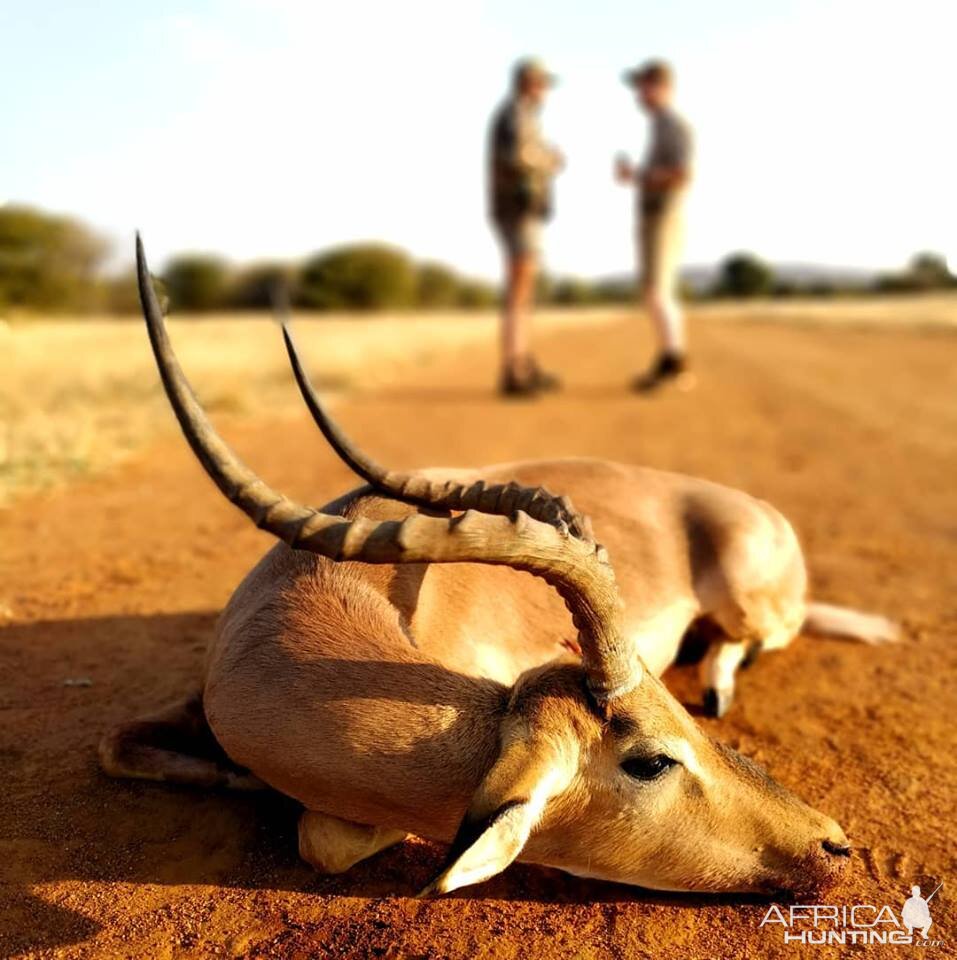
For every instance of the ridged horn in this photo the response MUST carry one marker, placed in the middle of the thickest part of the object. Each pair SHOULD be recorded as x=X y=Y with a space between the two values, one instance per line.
x=577 y=569
x=498 y=498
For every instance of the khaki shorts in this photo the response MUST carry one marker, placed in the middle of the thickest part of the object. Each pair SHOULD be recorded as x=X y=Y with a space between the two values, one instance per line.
x=520 y=236
x=660 y=245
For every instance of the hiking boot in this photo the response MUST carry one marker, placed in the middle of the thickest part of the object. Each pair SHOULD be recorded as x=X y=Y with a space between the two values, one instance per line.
x=668 y=368
x=513 y=386
x=543 y=380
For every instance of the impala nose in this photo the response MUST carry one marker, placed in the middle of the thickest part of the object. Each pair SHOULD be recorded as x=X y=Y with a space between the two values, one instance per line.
x=836 y=849
x=827 y=863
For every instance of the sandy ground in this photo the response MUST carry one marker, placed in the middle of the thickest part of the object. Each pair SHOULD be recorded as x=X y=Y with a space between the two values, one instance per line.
x=852 y=433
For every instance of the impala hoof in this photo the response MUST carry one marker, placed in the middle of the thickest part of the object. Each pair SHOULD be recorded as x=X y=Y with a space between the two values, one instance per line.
x=717 y=702
x=754 y=651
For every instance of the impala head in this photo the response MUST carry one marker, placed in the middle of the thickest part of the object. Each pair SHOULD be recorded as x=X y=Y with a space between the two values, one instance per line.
x=638 y=794
x=600 y=770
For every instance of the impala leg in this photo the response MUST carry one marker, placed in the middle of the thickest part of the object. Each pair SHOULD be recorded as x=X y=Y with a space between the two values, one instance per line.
x=333 y=845
x=174 y=745
x=717 y=671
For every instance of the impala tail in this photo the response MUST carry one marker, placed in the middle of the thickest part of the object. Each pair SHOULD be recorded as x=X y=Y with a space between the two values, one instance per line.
x=828 y=620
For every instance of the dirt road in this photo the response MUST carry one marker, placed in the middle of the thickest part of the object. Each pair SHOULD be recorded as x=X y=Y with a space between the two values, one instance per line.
x=852 y=433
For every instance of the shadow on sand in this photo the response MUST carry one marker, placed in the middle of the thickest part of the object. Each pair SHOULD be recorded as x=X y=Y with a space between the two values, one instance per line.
x=69 y=822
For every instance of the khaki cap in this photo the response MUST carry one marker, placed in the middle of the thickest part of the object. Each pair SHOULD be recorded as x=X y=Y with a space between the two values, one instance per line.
x=529 y=67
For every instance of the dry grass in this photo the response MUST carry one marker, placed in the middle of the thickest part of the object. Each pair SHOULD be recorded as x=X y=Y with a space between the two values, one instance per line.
x=930 y=310
x=77 y=396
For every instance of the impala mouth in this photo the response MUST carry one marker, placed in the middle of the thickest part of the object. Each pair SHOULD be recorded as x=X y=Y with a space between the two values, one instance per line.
x=815 y=875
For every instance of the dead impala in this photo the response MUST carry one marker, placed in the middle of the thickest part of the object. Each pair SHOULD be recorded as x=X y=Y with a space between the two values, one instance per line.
x=435 y=686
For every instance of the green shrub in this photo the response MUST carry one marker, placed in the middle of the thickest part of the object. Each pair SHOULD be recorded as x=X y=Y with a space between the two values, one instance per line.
x=196 y=282
x=47 y=262
x=358 y=277
x=476 y=295
x=573 y=292
x=260 y=286
x=120 y=294
x=929 y=271
x=926 y=271
x=745 y=275
x=437 y=286
x=616 y=290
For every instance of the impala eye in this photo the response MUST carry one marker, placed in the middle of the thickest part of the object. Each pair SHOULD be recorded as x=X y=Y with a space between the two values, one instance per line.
x=648 y=768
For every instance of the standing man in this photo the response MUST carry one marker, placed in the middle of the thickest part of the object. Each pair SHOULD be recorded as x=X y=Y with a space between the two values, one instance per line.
x=522 y=166
x=661 y=181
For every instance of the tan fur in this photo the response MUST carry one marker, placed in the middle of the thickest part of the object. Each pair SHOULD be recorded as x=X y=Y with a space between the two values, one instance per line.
x=377 y=695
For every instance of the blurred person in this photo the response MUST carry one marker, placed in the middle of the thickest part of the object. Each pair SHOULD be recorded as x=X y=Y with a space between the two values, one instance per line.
x=522 y=166
x=661 y=182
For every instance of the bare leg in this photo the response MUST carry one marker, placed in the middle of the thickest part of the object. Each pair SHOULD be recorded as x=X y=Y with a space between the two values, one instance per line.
x=521 y=272
x=667 y=318
x=333 y=845
x=174 y=745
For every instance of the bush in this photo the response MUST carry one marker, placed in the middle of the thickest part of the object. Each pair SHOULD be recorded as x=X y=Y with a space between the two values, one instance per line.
x=929 y=271
x=785 y=288
x=476 y=295
x=47 y=262
x=359 y=277
x=616 y=290
x=260 y=286
x=121 y=294
x=196 y=282
x=926 y=271
x=544 y=287
x=744 y=275
x=437 y=286
x=573 y=292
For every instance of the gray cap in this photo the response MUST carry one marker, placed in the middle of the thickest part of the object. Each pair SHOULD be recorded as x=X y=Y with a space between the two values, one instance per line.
x=654 y=70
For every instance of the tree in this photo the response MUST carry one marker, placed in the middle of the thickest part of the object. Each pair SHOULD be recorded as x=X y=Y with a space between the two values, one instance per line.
x=745 y=275
x=256 y=287
x=476 y=295
x=47 y=262
x=437 y=286
x=616 y=290
x=929 y=270
x=358 y=277
x=574 y=292
x=926 y=271
x=196 y=282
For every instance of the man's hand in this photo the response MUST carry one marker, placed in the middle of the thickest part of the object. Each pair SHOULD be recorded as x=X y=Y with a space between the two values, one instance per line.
x=625 y=171
x=664 y=178
x=558 y=160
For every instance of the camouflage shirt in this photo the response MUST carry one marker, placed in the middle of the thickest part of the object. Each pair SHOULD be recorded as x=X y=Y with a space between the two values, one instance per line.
x=521 y=164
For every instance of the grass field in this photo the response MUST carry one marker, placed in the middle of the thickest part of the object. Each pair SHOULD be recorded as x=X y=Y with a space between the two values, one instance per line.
x=79 y=395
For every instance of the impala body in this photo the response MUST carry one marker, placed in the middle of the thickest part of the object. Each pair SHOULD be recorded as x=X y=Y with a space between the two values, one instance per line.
x=409 y=668
x=381 y=695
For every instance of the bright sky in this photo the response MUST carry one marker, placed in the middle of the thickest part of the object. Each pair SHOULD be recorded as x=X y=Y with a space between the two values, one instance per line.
x=276 y=127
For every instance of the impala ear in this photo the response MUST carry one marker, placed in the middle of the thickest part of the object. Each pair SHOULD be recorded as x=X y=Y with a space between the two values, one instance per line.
x=506 y=808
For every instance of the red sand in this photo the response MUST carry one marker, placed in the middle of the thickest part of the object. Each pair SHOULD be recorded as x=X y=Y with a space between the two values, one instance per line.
x=853 y=434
